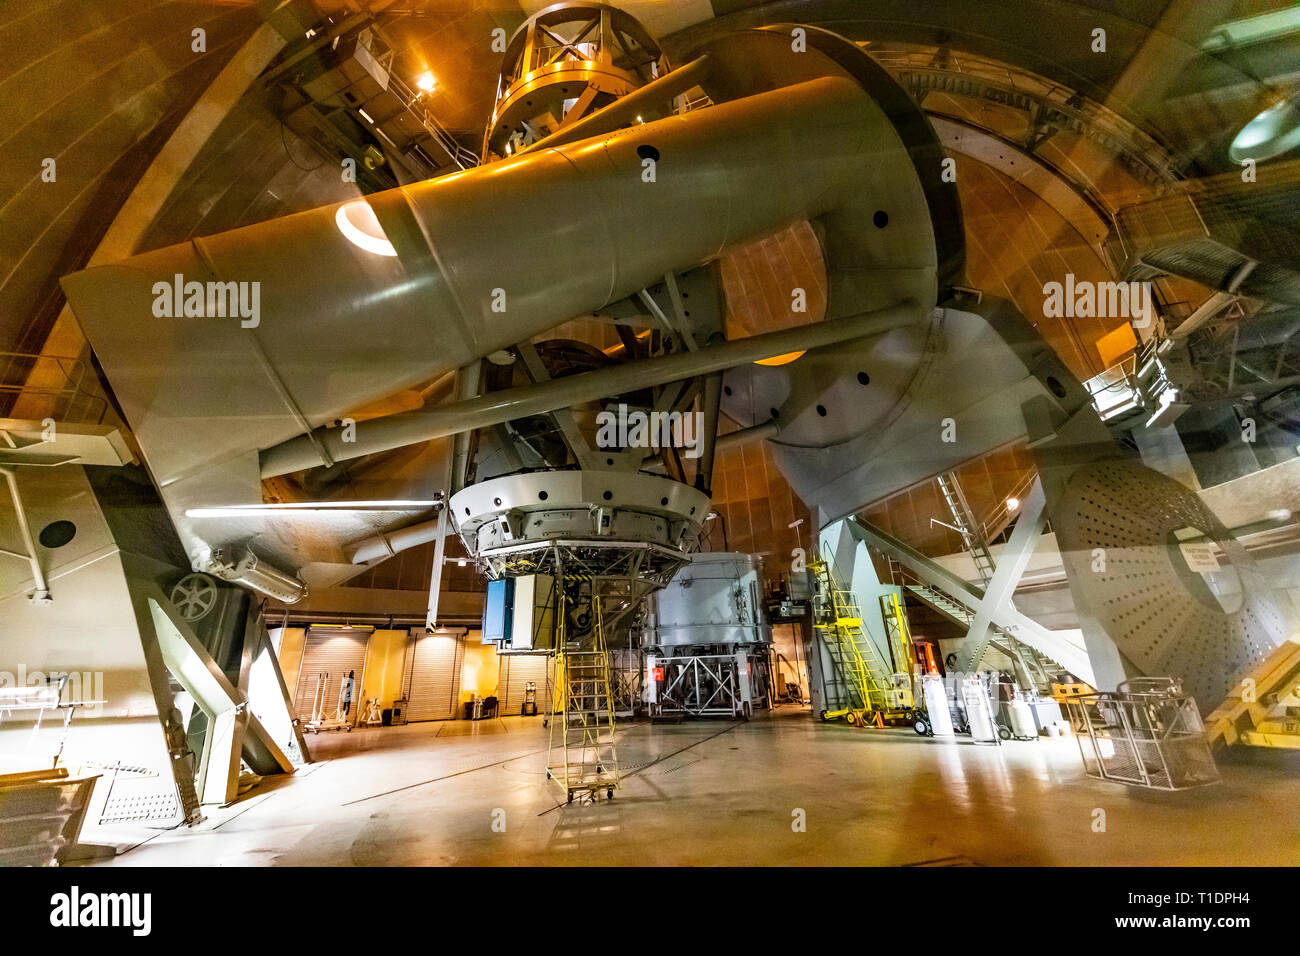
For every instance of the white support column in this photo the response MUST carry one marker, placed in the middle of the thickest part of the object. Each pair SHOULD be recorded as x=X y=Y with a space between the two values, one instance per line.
x=435 y=578
x=1011 y=565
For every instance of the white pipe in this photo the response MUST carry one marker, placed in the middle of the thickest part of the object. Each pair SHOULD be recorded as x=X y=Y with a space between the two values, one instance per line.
x=409 y=428
x=42 y=593
x=387 y=544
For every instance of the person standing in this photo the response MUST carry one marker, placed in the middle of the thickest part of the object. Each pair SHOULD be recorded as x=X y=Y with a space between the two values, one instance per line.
x=348 y=685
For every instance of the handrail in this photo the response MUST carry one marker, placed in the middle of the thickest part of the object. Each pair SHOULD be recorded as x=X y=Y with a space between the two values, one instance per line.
x=998 y=519
x=72 y=399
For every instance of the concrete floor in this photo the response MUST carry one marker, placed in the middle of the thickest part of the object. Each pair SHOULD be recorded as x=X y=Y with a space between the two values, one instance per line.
x=714 y=792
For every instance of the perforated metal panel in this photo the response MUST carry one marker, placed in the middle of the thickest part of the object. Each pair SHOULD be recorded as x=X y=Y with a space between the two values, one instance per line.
x=144 y=797
x=432 y=676
x=1117 y=531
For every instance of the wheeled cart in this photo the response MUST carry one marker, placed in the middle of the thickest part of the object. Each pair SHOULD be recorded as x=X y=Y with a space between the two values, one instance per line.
x=319 y=721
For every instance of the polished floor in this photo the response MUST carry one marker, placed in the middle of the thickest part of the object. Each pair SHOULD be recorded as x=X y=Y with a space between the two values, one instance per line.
x=715 y=792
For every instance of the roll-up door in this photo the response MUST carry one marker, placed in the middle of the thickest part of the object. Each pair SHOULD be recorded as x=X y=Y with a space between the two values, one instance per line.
x=432 y=673
x=516 y=671
x=333 y=651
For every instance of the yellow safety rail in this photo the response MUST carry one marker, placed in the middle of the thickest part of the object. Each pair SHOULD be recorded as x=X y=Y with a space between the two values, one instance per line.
x=841 y=621
x=899 y=636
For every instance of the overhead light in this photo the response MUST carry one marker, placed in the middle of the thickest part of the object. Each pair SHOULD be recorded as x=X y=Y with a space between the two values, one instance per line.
x=1272 y=132
x=357 y=221
x=461 y=563
x=1013 y=503
x=426 y=81
x=305 y=507
x=784 y=359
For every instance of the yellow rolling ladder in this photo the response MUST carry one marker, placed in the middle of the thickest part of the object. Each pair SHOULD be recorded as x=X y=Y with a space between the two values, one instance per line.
x=863 y=675
x=582 y=759
x=899 y=639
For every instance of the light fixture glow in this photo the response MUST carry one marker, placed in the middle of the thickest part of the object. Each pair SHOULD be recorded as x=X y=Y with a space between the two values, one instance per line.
x=1013 y=503
x=426 y=81
x=784 y=359
x=358 y=223
x=306 y=507
x=1272 y=132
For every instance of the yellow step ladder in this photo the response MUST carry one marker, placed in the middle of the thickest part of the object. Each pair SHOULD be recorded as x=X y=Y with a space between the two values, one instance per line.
x=864 y=677
x=581 y=756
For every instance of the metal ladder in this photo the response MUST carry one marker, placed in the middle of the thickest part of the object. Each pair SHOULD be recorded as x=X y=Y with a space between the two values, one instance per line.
x=583 y=760
x=967 y=527
x=898 y=636
x=1034 y=659
x=862 y=678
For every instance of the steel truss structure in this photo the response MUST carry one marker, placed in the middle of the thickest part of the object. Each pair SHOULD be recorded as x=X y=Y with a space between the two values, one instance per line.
x=622 y=573
x=700 y=685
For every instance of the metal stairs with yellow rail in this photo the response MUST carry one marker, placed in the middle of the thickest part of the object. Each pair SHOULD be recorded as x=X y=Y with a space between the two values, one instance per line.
x=861 y=682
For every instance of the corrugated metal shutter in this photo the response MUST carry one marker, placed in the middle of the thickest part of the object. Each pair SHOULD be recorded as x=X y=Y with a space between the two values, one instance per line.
x=333 y=651
x=516 y=671
x=432 y=675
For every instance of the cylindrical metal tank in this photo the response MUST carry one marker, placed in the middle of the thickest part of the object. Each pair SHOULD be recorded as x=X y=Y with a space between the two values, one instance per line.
x=712 y=600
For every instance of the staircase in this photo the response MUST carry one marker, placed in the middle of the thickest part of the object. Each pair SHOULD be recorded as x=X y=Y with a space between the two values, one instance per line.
x=969 y=529
x=1041 y=667
x=861 y=680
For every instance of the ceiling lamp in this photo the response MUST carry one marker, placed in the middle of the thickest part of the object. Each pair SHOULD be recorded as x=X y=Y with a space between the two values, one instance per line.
x=426 y=81
x=1272 y=132
x=783 y=359
x=357 y=221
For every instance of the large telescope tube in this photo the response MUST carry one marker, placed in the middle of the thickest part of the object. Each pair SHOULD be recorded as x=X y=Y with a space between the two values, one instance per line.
x=484 y=259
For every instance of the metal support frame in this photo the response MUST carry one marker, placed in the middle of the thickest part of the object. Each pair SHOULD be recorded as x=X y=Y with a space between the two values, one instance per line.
x=584 y=759
x=1143 y=737
x=435 y=576
x=235 y=733
x=408 y=428
x=563 y=417
x=699 y=685
x=625 y=571
x=42 y=593
x=1000 y=588
x=960 y=601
